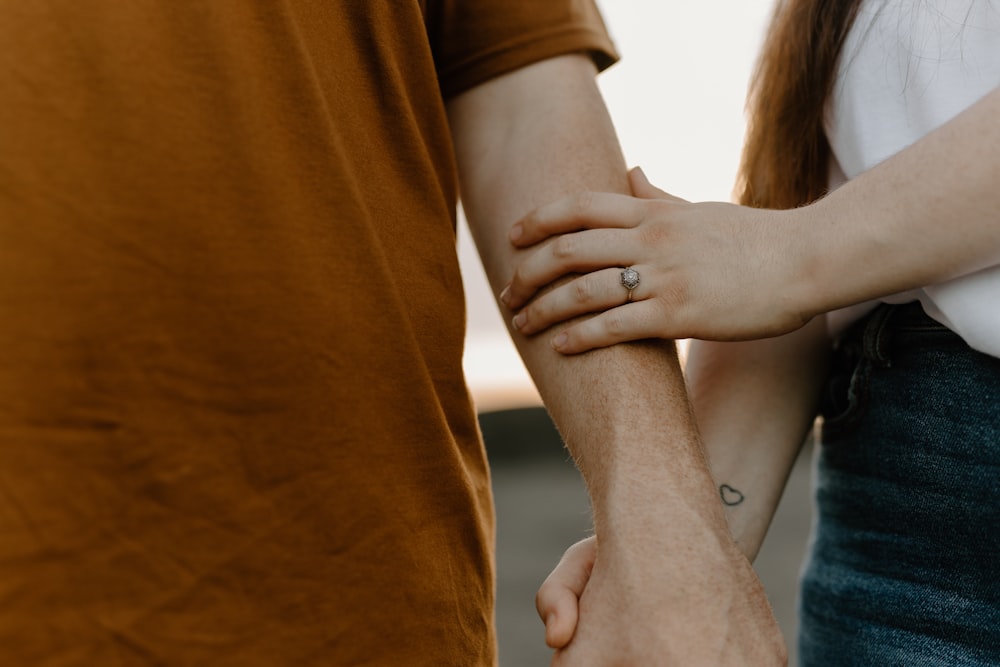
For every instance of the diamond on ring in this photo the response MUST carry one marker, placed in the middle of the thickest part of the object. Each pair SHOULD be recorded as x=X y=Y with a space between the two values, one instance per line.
x=630 y=280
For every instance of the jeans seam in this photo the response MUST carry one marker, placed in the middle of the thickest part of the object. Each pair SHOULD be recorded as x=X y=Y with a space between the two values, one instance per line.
x=878 y=337
x=858 y=391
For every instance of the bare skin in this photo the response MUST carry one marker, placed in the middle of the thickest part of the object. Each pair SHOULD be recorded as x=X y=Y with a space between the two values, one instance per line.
x=670 y=585
x=724 y=272
x=718 y=271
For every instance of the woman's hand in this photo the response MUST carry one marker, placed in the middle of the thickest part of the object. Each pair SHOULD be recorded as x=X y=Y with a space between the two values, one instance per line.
x=711 y=271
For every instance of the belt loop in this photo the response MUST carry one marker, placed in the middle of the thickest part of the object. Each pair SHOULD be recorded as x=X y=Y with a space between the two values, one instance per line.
x=878 y=336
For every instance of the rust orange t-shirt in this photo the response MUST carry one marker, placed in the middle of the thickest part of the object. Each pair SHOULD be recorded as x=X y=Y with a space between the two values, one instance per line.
x=233 y=424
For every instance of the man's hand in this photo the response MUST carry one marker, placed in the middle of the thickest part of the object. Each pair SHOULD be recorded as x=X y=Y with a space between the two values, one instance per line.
x=558 y=598
x=715 y=613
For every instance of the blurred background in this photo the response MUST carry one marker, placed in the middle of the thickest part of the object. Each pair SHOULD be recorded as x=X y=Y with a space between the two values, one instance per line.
x=677 y=99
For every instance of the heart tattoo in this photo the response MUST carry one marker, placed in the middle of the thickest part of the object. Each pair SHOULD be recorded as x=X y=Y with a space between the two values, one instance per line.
x=730 y=496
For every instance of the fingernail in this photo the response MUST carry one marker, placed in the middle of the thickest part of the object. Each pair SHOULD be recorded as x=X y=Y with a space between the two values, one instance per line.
x=559 y=341
x=519 y=320
x=516 y=232
x=505 y=294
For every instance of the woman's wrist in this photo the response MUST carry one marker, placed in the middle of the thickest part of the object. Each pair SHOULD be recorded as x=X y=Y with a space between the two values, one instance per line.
x=819 y=270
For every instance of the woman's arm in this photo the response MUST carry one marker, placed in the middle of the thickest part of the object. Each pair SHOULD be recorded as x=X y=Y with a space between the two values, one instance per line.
x=723 y=272
x=755 y=403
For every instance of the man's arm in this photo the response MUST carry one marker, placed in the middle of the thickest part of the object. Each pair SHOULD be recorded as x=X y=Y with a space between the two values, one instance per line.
x=669 y=582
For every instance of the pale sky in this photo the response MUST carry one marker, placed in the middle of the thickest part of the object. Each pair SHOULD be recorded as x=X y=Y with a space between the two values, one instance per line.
x=677 y=100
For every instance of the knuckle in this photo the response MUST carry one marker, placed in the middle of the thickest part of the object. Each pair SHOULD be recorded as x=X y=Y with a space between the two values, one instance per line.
x=653 y=209
x=653 y=234
x=676 y=292
x=530 y=223
x=543 y=596
x=649 y=208
x=537 y=315
x=521 y=282
x=573 y=550
x=516 y=278
x=582 y=203
x=582 y=290
x=615 y=323
x=675 y=312
x=564 y=247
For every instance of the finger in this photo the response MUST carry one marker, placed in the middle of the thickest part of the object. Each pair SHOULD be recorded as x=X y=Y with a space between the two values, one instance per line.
x=641 y=187
x=586 y=210
x=633 y=321
x=579 y=252
x=558 y=597
x=590 y=293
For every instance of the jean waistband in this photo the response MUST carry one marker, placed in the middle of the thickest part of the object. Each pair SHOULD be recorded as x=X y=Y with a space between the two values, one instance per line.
x=873 y=335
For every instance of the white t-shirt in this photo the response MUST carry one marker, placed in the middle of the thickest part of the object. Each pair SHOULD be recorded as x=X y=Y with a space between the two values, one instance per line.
x=906 y=68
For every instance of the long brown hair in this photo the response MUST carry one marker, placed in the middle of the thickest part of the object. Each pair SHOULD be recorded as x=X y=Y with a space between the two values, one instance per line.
x=786 y=155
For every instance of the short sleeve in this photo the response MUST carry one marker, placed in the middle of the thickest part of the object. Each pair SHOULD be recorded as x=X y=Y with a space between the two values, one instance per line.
x=477 y=40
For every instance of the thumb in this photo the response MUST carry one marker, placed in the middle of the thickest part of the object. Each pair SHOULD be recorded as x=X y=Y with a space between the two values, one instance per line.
x=641 y=187
x=558 y=598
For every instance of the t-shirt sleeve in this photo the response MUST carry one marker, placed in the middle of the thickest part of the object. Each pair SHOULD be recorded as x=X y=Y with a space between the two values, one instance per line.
x=477 y=40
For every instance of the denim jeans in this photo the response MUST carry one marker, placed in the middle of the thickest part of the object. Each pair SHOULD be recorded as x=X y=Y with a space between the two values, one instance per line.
x=904 y=566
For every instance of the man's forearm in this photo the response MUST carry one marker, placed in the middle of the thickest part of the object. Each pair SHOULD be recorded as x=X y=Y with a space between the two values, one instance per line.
x=669 y=584
x=622 y=411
